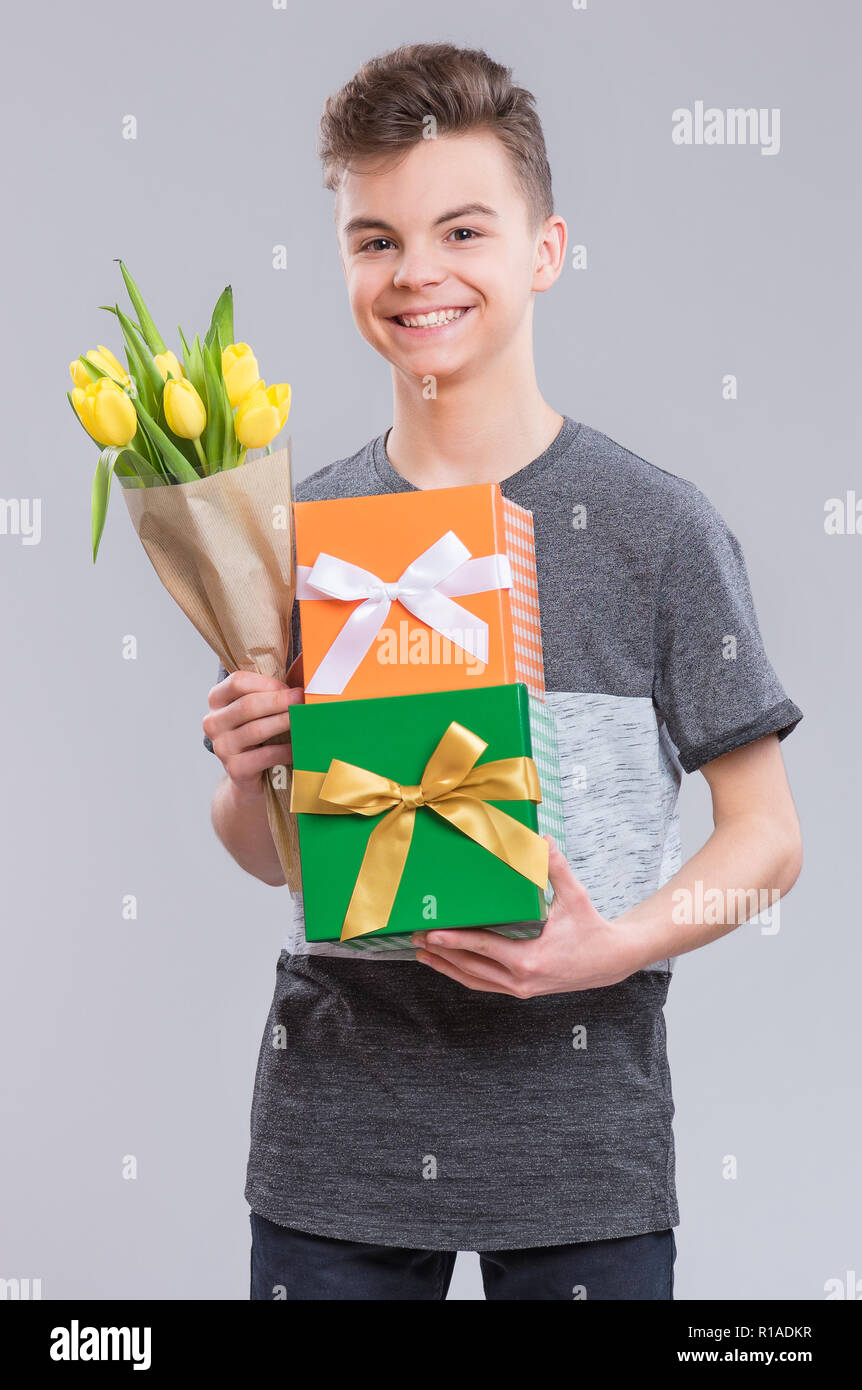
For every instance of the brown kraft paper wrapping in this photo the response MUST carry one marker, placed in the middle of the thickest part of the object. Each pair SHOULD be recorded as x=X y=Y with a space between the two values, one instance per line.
x=223 y=548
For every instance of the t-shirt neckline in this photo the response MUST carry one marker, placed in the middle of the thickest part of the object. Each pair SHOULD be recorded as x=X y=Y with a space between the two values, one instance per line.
x=392 y=480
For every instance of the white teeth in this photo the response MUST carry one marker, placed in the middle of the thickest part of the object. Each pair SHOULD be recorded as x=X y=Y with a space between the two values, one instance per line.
x=432 y=320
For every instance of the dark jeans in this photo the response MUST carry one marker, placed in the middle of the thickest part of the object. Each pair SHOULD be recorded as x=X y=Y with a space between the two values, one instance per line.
x=295 y=1265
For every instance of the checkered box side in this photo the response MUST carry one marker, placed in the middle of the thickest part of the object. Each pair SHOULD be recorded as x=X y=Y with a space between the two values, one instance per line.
x=524 y=597
x=394 y=941
x=550 y=812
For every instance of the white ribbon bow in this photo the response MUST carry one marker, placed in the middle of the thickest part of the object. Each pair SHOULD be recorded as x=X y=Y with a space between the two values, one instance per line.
x=425 y=588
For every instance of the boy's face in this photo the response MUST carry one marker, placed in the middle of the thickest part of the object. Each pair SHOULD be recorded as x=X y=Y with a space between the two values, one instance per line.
x=446 y=227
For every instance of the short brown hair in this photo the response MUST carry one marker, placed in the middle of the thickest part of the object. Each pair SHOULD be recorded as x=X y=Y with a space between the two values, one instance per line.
x=383 y=108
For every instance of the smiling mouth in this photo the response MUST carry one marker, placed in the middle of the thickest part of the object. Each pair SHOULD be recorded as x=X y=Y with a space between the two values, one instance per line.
x=435 y=319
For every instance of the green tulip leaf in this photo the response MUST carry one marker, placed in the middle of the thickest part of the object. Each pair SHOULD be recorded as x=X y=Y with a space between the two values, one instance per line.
x=101 y=492
x=213 y=436
x=134 y=370
x=100 y=495
x=194 y=368
x=231 y=444
x=147 y=376
x=150 y=333
x=222 y=319
x=174 y=460
x=147 y=446
x=76 y=415
x=132 y=469
x=133 y=464
x=148 y=462
x=93 y=372
x=113 y=309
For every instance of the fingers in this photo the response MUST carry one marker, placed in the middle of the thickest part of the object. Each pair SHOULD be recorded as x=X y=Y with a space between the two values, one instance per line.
x=484 y=955
x=245 y=710
x=251 y=718
x=249 y=735
x=241 y=683
x=504 y=950
x=245 y=769
x=570 y=895
x=441 y=962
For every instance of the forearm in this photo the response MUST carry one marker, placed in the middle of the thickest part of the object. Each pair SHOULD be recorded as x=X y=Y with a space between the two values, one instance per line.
x=240 y=822
x=748 y=863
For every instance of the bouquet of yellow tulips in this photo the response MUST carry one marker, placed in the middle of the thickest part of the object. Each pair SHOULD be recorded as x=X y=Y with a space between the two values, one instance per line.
x=163 y=421
x=216 y=525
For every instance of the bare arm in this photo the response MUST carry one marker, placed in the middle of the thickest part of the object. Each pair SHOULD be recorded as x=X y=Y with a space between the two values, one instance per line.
x=752 y=857
x=756 y=847
x=245 y=710
x=242 y=826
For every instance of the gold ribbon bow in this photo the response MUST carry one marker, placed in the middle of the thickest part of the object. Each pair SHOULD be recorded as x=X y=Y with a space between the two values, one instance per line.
x=452 y=786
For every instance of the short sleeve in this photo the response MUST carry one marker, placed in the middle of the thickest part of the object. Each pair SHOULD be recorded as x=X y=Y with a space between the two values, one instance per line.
x=222 y=675
x=713 y=683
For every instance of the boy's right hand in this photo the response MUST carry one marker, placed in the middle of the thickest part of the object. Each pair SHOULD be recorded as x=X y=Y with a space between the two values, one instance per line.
x=245 y=710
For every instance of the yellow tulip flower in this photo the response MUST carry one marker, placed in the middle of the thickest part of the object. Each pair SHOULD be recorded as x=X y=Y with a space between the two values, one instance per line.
x=240 y=371
x=185 y=412
x=262 y=412
x=168 y=362
x=79 y=374
x=106 y=412
x=103 y=358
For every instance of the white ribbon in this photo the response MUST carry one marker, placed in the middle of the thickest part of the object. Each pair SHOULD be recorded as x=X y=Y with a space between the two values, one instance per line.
x=425 y=588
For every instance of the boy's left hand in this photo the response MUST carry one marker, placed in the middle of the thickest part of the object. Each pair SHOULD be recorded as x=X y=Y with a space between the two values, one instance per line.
x=578 y=948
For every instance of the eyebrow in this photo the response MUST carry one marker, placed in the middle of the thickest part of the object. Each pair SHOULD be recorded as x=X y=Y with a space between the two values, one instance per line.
x=368 y=224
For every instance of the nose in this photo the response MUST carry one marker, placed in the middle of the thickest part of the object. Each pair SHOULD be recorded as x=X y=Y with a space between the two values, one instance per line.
x=416 y=269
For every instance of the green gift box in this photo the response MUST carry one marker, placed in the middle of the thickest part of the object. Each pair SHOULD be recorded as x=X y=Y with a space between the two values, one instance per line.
x=448 y=879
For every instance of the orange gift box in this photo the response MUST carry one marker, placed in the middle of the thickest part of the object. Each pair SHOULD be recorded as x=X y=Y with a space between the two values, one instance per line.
x=410 y=592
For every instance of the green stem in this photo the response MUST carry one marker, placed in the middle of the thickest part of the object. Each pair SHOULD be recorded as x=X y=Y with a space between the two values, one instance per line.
x=202 y=456
x=242 y=454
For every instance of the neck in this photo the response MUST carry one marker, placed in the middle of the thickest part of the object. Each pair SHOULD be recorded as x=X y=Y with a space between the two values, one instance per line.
x=478 y=429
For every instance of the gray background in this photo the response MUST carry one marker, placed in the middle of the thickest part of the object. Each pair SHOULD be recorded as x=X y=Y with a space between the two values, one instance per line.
x=141 y=1037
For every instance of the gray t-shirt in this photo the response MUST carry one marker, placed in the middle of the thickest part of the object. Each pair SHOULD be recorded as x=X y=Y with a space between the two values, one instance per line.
x=394 y=1105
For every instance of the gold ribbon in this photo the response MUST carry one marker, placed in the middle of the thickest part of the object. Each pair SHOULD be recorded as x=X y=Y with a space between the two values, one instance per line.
x=452 y=786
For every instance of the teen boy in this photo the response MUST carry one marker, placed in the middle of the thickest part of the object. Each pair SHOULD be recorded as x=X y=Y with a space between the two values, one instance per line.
x=475 y=1092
